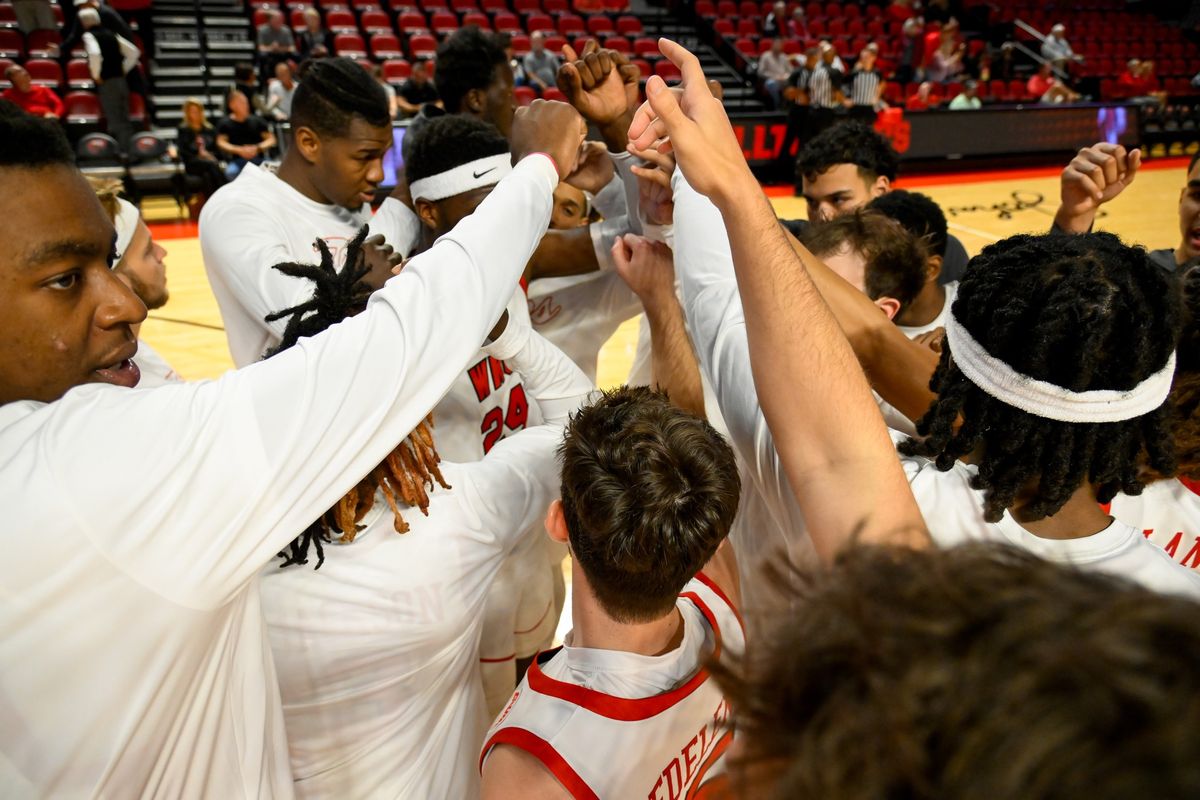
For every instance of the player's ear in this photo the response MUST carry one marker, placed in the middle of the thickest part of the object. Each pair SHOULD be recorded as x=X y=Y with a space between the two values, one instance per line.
x=307 y=142
x=881 y=186
x=556 y=523
x=889 y=306
x=475 y=101
x=933 y=269
x=428 y=213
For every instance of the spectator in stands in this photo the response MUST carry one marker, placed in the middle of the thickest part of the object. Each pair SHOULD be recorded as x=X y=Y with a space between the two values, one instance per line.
x=1149 y=88
x=946 y=62
x=967 y=99
x=1049 y=89
x=41 y=101
x=314 y=41
x=242 y=137
x=245 y=80
x=108 y=17
x=900 y=11
x=473 y=77
x=1056 y=49
x=388 y=89
x=774 y=67
x=912 y=51
x=865 y=85
x=417 y=90
x=110 y=57
x=274 y=42
x=923 y=99
x=34 y=15
x=824 y=89
x=196 y=142
x=797 y=26
x=541 y=66
x=799 y=124
x=1130 y=79
x=776 y=20
x=280 y=91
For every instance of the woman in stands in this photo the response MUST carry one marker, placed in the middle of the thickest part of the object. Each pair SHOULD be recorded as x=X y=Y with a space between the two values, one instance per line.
x=196 y=141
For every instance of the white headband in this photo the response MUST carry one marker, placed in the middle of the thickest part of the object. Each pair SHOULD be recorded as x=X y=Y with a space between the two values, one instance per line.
x=463 y=178
x=1046 y=400
x=126 y=224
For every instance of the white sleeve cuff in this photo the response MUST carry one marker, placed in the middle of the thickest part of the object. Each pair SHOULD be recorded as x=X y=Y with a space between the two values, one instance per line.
x=540 y=164
x=512 y=341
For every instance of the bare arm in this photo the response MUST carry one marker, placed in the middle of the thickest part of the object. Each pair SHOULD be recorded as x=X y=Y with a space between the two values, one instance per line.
x=226 y=146
x=268 y=141
x=839 y=458
x=1095 y=176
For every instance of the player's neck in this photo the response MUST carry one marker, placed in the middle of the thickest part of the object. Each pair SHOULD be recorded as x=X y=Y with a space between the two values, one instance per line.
x=925 y=308
x=1080 y=516
x=292 y=172
x=594 y=629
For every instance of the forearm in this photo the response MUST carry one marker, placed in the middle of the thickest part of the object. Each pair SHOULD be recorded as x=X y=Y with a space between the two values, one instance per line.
x=1077 y=222
x=624 y=163
x=673 y=361
x=267 y=143
x=813 y=393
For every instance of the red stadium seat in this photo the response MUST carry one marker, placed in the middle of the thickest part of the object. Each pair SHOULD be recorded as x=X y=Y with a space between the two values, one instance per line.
x=520 y=44
x=570 y=25
x=667 y=71
x=464 y=7
x=8 y=17
x=385 y=46
x=376 y=22
x=524 y=95
x=527 y=6
x=724 y=27
x=79 y=75
x=1016 y=90
x=833 y=9
x=45 y=72
x=422 y=45
x=746 y=47
x=644 y=66
x=12 y=44
x=411 y=22
x=851 y=12
x=508 y=23
x=836 y=27
x=629 y=26
x=81 y=107
x=5 y=63
x=539 y=22
x=748 y=8
x=598 y=25
x=350 y=45
x=397 y=71
x=552 y=93
x=443 y=22
x=478 y=19
x=579 y=43
x=616 y=6
x=44 y=44
x=645 y=47
x=726 y=9
x=999 y=90
x=297 y=19
x=261 y=15
x=706 y=9
x=341 y=22
x=554 y=43
x=556 y=7
x=618 y=43
x=855 y=27
x=494 y=6
x=748 y=27
x=764 y=44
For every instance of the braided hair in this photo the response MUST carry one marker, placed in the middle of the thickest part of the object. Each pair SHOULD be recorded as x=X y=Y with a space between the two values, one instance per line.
x=332 y=92
x=409 y=471
x=1082 y=312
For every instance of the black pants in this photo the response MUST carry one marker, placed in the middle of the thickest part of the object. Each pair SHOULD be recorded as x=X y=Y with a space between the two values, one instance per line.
x=114 y=100
x=210 y=173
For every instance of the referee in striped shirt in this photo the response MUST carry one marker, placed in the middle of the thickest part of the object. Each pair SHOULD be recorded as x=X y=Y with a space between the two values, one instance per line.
x=824 y=90
x=865 y=85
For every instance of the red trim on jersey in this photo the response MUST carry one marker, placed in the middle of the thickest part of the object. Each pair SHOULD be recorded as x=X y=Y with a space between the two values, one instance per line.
x=510 y=657
x=549 y=605
x=711 y=584
x=1192 y=486
x=524 y=284
x=624 y=709
x=699 y=787
x=543 y=751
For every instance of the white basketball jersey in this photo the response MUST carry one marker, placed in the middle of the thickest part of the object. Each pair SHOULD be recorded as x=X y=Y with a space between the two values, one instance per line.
x=1168 y=513
x=667 y=746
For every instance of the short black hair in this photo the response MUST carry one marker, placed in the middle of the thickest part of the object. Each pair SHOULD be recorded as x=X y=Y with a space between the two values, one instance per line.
x=896 y=258
x=918 y=214
x=648 y=494
x=848 y=143
x=333 y=91
x=447 y=142
x=1083 y=312
x=31 y=142
x=243 y=72
x=466 y=60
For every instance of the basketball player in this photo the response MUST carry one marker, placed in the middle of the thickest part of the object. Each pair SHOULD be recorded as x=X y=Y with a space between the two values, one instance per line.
x=846 y=166
x=626 y=708
x=134 y=657
x=139 y=263
x=323 y=189
x=376 y=650
x=1041 y=454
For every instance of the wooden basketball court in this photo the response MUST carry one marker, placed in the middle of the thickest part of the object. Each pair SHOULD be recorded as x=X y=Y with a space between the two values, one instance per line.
x=980 y=207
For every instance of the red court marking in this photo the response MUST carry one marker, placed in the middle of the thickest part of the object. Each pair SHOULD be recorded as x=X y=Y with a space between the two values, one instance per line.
x=173 y=230
x=983 y=176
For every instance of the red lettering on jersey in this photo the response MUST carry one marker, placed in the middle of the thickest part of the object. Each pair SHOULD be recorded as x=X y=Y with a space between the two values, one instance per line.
x=543 y=310
x=1193 y=554
x=1173 y=545
x=518 y=409
x=479 y=379
x=675 y=785
x=704 y=749
x=498 y=370
x=492 y=429
x=512 y=702
x=689 y=758
x=1147 y=532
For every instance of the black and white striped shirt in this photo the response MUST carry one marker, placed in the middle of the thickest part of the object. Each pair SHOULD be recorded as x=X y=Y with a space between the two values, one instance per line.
x=864 y=86
x=821 y=87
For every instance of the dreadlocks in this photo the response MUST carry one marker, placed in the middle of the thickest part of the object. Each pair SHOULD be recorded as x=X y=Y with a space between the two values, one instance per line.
x=1082 y=312
x=409 y=472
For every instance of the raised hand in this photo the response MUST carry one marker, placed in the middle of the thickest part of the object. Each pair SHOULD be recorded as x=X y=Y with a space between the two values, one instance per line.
x=647 y=267
x=551 y=127
x=595 y=168
x=655 y=196
x=382 y=260
x=693 y=126
x=603 y=86
x=1095 y=176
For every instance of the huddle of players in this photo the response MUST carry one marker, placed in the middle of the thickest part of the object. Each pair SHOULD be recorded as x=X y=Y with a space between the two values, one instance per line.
x=374 y=653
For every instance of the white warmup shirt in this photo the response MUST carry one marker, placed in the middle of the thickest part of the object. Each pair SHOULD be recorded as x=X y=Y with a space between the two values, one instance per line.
x=952 y=510
x=258 y=221
x=134 y=660
x=610 y=724
x=154 y=368
x=376 y=651
x=1168 y=514
x=913 y=331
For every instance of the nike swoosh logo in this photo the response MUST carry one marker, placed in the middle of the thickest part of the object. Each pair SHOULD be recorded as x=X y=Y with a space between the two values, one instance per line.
x=481 y=174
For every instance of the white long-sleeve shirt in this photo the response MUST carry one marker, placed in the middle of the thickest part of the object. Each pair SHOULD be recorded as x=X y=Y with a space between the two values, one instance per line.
x=376 y=651
x=952 y=510
x=133 y=654
x=259 y=220
x=130 y=55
